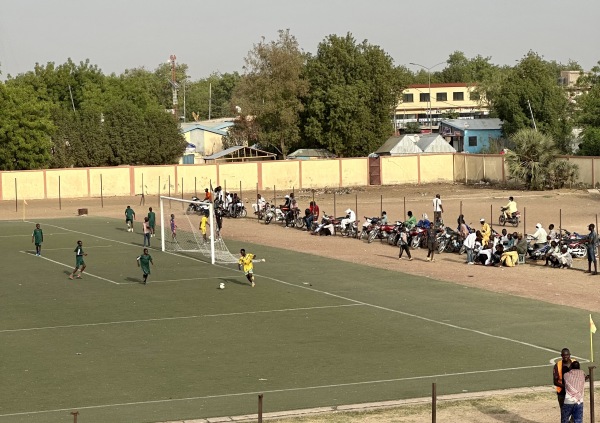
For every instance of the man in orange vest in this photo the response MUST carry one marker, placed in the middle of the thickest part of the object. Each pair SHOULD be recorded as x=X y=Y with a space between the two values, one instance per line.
x=560 y=368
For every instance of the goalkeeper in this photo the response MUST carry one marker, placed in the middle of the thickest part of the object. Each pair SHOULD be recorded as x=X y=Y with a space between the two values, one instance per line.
x=203 y=224
x=246 y=261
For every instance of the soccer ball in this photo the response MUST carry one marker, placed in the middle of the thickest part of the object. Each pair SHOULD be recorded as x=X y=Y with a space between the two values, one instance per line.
x=221 y=285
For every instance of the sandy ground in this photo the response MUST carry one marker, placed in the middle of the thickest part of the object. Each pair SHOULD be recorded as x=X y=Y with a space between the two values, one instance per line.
x=571 y=209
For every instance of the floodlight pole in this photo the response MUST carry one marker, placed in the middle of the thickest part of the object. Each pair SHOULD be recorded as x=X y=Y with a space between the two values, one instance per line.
x=172 y=58
x=428 y=69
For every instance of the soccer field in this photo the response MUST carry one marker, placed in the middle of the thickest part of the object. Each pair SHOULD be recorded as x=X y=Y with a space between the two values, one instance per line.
x=313 y=332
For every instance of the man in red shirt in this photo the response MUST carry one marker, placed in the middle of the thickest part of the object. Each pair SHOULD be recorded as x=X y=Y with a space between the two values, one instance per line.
x=312 y=216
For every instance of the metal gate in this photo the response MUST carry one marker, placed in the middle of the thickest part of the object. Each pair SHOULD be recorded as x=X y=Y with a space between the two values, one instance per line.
x=374 y=171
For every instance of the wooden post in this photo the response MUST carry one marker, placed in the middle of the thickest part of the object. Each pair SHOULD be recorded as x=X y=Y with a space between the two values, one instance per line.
x=196 y=190
x=74 y=414
x=159 y=189
x=260 y=408
x=169 y=191
x=16 y=197
x=356 y=205
x=257 y=205
x=461 y=207
x=59 y=199
x=101 y=192
x=491 y=216
x=433 y=402
x=404 y=207
x=525 y=221
x=241 y=194
x=560 y=222
x=182 y=204
x=381 y=205
x=274 y=196
x=334 y=213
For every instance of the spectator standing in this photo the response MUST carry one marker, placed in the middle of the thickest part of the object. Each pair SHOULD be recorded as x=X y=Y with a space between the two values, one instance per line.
x=486 y=231
x=431 y=242
x=438 y=209
x=592 y=240
x=469 y=244
x=560 y=368
x=574 y=383
x=147 y=232
x=403 y=244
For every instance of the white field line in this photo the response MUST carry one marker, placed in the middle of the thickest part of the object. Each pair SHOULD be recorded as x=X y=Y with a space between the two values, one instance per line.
x=403 y=313
x=70 y=267
x=87 y=247
x=272 y=391
x=163 y=319
x=28 y=236
x=182 y=280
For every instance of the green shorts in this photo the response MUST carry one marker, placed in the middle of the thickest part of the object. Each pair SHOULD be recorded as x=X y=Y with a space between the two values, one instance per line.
x=79 y=261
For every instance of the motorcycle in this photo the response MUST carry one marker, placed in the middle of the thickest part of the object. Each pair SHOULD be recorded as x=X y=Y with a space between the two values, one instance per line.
x=418 y=237
x=367 y=227
x=293 y=218
x=326 y=221
x=351 y=230
x=194 y=208
x=394 y=237
x=380 y=231
x=273 y=213
x=513 y=219
x=535 y=251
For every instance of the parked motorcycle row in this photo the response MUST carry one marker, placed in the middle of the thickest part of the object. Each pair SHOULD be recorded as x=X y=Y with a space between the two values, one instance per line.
x=234 y=209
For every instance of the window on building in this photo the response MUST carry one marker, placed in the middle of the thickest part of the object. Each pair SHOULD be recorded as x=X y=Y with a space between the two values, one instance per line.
x=424 y=97
x=407 y=98
x=458 y=96
x=472 y=141
x=473 y=95
x=441 y=97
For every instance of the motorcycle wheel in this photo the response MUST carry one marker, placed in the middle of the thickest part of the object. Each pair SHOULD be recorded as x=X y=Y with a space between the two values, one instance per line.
x=268 y=219
x=449 y=247
x=392 y=240
x=462 y=250
x=242 y=212
x=442 y=246
x=190 y=210
x=502 y=220
x=415 y=242
x=300 y=223
x=363 y=235
x=372 y=236
x=515 y=222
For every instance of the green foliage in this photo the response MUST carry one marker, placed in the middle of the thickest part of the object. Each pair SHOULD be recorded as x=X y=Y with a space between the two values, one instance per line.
x=412 y=128
x=354 y=90
x=198 y=96
x=25 y=128
x=271 y=90
x=532 y=82
x=590 y=142
x=462 y=69
x=534 y=161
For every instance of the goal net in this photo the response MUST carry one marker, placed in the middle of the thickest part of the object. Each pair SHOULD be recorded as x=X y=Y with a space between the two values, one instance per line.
x=180 y=229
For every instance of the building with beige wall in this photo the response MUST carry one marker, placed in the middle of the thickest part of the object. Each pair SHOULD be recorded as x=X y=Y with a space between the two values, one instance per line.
x=457 y=100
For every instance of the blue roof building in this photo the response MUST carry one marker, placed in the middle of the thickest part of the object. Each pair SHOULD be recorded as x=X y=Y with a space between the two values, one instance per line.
x=471 y=135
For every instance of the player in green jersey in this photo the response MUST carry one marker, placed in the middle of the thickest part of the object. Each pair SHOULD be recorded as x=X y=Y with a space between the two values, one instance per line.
x=37 y=238
x=144 y=261
x=129 y=218
x=79 y=262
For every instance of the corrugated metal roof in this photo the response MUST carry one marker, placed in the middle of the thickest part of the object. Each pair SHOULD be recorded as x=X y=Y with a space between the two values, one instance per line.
x=434 y=143
x=203 y=128
x=405 y=144
x=235 y=148
x=312 y=152
x=474 y=124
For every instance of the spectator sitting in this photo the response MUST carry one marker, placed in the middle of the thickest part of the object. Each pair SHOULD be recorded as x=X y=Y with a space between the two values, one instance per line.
x=509 y=258
x=424 y=222
x=384 y=219
x=485 y=255
x=552 y=233
x=411 y=222
x=504 y=238
x=521 y=244
x=539 y=237
x=311 y=214
x=565 y=258
x=499 y=250
x=552 y=255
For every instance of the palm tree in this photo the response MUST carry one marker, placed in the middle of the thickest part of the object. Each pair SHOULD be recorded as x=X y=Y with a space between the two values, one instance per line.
x=534 y=161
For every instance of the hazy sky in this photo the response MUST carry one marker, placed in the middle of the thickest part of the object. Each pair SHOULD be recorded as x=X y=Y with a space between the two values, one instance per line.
x=211 y=36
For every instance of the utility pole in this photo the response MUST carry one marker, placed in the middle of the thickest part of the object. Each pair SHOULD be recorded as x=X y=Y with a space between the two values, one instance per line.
x=209 y=99
x=174 y=87
x=531 y=113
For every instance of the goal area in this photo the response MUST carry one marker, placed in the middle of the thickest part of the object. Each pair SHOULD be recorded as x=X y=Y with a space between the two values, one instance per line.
x=180 y=230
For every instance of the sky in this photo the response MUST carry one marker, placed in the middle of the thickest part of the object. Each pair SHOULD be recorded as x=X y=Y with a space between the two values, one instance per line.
x=215 y=36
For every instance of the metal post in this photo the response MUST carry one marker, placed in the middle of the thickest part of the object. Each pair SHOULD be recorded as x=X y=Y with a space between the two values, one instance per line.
x=257 y=205
x=142 y=183
x=16 y=197
x=591 y=368
x=182 y=192
x=525 y=221
x=241 y=193
x=158 y=189
x=260 y=407
x=195 y=190
x=274 y=196
x=169 y=191
x=101 y=192
x=491 y=216
x=404 y=207
x=433 y=402
x=334 y=213
x=381 y=205
x=74 y=414
x=461 y=207
x=356 y=205
x=59 y=199
x=560 y=221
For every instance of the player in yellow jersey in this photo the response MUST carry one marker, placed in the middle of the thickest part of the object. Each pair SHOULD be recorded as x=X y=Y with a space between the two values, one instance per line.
x=203 y=224
x=247 y=261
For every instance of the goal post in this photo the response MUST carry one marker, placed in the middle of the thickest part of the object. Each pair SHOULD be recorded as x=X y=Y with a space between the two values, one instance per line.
x=180 y=229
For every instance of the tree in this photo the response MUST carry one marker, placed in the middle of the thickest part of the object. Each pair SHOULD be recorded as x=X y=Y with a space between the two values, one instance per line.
x=354 y=90
x=462 y=69
x=529 y=92
x=217 y=90
x=534 y=161
x=588 y=116
x=271 y=90
x=25 y=128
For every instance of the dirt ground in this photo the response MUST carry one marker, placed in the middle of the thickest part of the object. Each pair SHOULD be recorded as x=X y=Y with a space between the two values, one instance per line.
x=571 y=209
